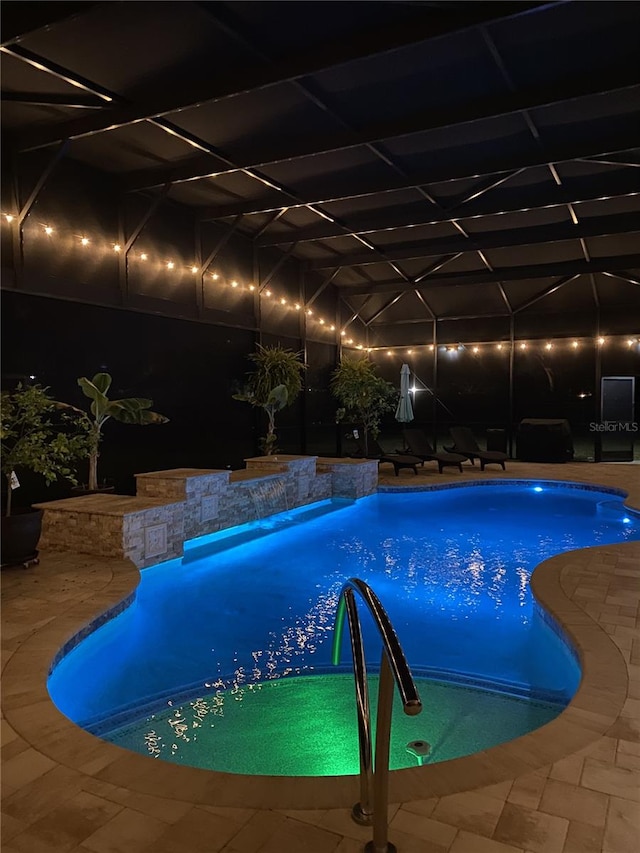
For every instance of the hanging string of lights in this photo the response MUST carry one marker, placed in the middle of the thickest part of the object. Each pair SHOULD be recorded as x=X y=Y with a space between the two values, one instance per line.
x=504 y=347
x=272 y=296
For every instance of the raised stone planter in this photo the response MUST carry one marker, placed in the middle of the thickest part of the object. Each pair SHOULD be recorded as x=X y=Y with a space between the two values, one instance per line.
x=146 y=530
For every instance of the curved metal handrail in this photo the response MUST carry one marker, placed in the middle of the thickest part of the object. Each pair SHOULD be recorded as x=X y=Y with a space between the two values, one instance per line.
x=374 y=784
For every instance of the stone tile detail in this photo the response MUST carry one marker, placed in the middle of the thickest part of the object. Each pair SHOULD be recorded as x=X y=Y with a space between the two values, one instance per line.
x=153 y=536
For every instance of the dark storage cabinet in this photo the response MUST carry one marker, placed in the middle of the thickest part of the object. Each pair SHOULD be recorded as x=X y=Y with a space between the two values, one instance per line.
x=544 y=440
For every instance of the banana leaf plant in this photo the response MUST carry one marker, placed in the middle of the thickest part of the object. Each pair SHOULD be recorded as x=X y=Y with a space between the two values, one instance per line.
x=131 y=410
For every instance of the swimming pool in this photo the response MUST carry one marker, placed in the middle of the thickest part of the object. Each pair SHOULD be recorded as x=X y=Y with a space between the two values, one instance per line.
x=451 y=566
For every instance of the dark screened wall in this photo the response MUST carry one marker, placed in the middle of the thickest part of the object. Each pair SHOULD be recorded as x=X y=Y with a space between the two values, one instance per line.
x=183 y=339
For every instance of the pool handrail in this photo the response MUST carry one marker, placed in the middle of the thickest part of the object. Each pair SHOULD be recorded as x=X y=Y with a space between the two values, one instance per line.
x=374 y=783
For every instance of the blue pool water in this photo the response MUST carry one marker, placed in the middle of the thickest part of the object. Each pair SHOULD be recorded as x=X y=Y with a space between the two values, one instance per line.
x=257 y=603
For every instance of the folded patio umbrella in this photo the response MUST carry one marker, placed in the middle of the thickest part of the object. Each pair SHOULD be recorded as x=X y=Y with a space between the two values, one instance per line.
x=404 y=411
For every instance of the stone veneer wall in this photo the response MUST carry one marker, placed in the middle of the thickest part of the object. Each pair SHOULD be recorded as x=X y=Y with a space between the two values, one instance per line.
x=203 y=492
x=350 y=478
x=147 y=531
x=181 y=504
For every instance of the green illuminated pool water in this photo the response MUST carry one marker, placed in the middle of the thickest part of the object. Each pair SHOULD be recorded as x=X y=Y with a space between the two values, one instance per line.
x=306 y=726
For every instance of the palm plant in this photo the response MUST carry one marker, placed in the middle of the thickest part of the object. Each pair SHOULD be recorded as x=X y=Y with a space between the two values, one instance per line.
x=364 y=395
x=131 y=410
x=273 y=385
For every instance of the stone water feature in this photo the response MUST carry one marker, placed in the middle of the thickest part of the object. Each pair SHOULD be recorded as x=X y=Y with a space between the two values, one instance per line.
x=269 y=496
x=174 y=506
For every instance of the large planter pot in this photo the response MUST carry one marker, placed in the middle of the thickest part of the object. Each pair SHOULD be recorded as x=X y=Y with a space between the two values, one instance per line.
x=20 y=535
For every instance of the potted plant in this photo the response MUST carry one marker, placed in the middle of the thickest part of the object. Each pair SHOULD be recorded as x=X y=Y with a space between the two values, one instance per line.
x=131 y=410
x=40 y=435
x=364 y=396
x=273 y=385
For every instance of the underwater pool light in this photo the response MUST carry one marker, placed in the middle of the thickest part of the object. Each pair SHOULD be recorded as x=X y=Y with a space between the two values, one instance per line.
x=537 y=488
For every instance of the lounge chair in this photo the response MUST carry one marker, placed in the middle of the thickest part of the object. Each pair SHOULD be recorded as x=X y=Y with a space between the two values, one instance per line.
x=398 y=460
x=418 y=445
x=465 y=443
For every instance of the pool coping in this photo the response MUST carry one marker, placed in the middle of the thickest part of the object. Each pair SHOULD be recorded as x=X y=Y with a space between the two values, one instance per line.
x=593 y=710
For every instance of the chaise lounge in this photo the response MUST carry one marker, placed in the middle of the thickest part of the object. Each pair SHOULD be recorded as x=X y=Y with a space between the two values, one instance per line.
x=398 y=460
x=418 y=445
x=465 y=443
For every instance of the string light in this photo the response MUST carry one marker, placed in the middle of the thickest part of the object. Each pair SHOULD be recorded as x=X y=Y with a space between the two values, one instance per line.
x=9 y=217
x=215 y=276
x=451 y=349
x=521 y=345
